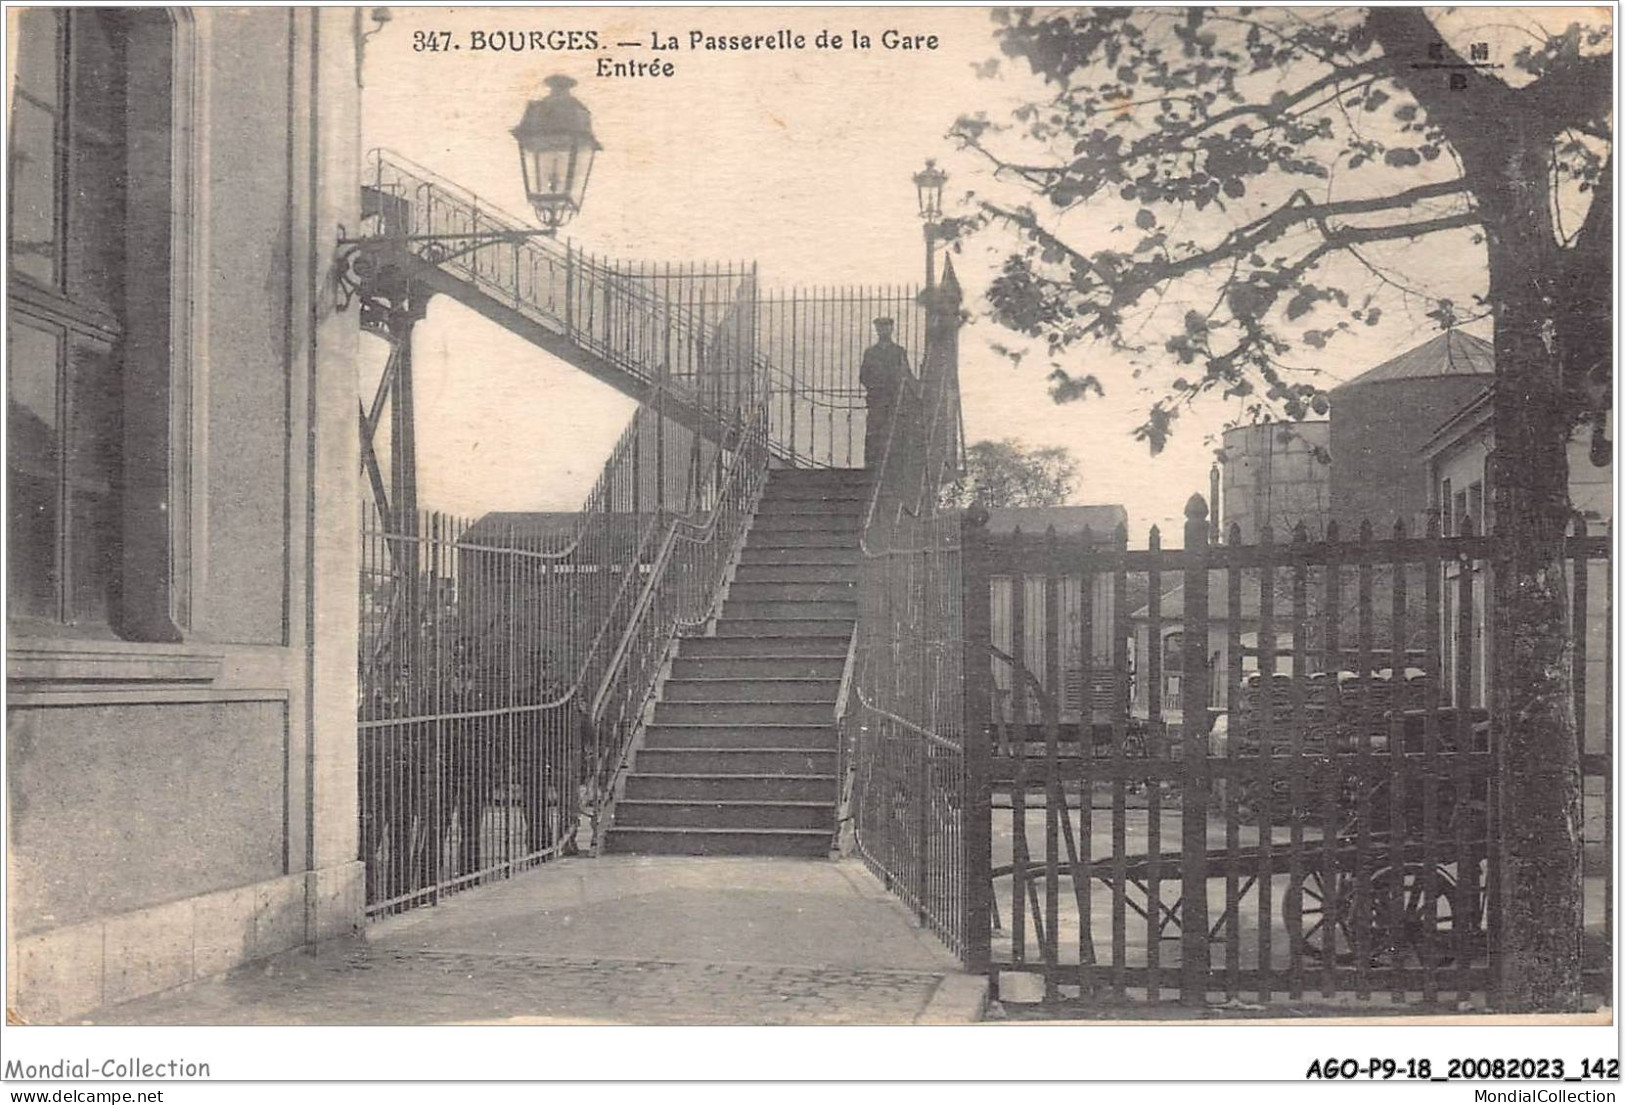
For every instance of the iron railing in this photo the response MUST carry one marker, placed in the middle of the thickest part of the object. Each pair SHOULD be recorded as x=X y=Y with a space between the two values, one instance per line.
x=485 y=647
x=902 y=730
x=679 y=595
x=815 y=340
x=702 y=337
x=1331 y=828
x=686 y=331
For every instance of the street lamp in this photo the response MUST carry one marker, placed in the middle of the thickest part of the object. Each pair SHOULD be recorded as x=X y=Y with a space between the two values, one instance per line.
x=556 y=148
x=928 y=184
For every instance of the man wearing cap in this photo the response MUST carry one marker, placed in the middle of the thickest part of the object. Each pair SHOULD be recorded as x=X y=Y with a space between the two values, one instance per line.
x=885 y=378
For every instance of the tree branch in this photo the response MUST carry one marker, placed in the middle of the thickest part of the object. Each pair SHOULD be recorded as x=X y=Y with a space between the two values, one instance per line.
x=1347 y=236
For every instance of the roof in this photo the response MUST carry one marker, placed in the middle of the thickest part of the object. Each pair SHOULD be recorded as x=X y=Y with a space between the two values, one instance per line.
x=543 y=529
x=1475 y=413
x=1218 y=600
x=1067 y=520
x=1452 y=353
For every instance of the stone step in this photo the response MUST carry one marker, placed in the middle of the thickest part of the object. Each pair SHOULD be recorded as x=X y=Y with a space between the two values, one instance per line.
x=820 y=475
x=758 y=611
x=754 y=689
x=735 y=761
x=793 y=591
x=749 y=667
x=762 y=537
x=816 y=504
x=784 y=555
x=796 y=573
x=761 y=788
x=818 y=738
x=683 y=813
x=759 y=628
x=782 y=647
x=674 y=841
x=744 y=713
x=807 y=522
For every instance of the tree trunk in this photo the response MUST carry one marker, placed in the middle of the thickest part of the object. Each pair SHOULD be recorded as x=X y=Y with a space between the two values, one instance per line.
x=1537 y=758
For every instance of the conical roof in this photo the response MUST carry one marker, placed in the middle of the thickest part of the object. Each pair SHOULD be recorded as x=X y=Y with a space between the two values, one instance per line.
x=1452 y=353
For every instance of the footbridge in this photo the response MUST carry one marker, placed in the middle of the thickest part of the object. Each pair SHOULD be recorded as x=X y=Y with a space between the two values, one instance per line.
x=665 y=669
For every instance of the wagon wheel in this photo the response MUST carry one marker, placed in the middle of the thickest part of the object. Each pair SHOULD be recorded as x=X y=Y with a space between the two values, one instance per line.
x=1323 y=926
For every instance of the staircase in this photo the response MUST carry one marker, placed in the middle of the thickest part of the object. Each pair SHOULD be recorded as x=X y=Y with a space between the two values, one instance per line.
x=741 y=755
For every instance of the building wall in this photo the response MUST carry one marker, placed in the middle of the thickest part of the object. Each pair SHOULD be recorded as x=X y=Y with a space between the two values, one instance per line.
x=1377 y=433
x=178 y=807
x=1463 y=463
x=1035 y=611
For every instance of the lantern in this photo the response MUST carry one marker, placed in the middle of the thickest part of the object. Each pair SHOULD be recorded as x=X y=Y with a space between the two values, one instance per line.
x=556 y=148
x=928 y=183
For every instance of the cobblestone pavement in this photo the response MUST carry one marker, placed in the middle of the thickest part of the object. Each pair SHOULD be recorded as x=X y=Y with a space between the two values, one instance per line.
x=358 y=984
x=622 y=940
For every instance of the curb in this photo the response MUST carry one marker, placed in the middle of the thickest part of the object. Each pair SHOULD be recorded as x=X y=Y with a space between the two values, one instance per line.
x=958 y=999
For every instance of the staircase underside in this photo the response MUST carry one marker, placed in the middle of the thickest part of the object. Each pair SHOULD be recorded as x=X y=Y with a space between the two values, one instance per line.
x=678 y=405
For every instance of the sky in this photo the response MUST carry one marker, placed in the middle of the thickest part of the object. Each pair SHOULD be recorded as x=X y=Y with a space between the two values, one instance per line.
x=800 y=161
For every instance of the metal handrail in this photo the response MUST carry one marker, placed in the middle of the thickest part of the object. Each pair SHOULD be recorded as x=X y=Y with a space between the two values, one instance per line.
x=658 y=569
x=644 y=638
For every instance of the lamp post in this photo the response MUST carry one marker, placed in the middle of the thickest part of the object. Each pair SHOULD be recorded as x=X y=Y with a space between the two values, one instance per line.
x=928 y=184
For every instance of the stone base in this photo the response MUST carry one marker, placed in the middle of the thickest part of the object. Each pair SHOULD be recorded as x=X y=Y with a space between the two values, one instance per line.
x=65 y=972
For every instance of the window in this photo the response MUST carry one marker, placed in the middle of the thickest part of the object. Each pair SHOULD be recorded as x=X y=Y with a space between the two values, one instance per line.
x=89 y=206
x=1173 y=653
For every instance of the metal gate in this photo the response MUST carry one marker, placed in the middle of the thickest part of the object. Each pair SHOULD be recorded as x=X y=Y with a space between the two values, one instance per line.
x=1290 y=792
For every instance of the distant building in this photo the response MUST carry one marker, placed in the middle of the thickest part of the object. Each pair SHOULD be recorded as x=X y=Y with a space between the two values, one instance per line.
x=1277 y=474
x=1170 y=640
x=1455 y=461
x=1382 y=419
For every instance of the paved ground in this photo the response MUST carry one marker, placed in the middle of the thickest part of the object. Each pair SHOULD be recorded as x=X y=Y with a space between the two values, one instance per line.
x=627 y=940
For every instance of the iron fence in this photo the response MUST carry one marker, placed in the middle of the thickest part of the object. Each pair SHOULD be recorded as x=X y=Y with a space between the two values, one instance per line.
x=1328 y=827
x=495 y=655
x=470 y=717
x=902 y=734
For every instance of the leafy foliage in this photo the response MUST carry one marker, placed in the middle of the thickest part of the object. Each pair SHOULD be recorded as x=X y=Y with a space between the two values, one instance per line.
x=1252 y=164
x=1007 y=473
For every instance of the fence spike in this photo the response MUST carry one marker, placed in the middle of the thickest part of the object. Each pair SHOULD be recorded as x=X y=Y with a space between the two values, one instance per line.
x=1235 y=534
x=1300 y=534
x=1266 y=534
x=1365 y=531
x=1332 y=535
x=1154 y=538
x=1399 y=529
